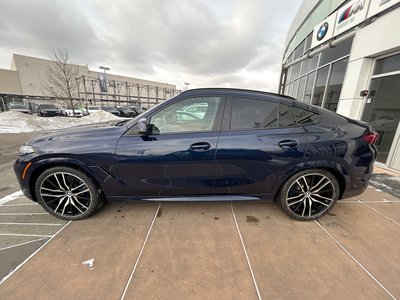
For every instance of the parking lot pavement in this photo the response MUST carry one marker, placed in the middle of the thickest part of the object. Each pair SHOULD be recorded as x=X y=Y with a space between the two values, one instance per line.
x=24 y=228
x=9 y=146
x=194 y=250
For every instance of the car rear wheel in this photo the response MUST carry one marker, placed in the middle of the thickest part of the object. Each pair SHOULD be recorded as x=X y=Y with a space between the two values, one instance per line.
x=309 y=194
x=67 y=193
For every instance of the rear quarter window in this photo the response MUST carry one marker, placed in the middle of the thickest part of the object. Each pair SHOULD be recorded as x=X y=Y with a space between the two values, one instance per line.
x=304 y=117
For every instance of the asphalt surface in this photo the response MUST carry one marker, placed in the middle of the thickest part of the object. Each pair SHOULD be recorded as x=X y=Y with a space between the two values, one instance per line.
x=202 y=251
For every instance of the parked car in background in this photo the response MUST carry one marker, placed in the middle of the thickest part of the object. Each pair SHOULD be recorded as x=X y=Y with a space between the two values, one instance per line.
x=198 y=109
x=47 y=110
x=20 y=107
x=138 y=109
x=91 y=109
x=127 y=112
x=111 y=110
x=68 y=112
x=248 y=145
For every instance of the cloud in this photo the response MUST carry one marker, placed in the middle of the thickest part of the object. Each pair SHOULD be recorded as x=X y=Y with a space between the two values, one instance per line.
x=234 y=43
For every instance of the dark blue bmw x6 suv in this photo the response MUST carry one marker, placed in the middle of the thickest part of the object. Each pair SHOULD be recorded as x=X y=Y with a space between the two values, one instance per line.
x=204 y=145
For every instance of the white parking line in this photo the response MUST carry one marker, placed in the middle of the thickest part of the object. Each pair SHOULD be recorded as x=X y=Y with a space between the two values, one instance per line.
x=355 y=260
x=27 y=235
x=245 y=253
x=21 y=204
x=41 y=247
x=11 y=197
x=22 y=214
x=22 y=244
x=377 y=211
x=33 y=224
x=140 y=252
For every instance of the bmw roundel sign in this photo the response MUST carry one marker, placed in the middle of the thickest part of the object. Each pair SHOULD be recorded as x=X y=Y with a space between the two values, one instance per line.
x=322 y=31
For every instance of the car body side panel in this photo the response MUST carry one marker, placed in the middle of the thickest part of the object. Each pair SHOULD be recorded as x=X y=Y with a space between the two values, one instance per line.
x=338 y=144
x=163 y=165
x=251 y=161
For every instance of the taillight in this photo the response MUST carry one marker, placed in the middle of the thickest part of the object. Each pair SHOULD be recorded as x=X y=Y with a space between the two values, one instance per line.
x=371 y=137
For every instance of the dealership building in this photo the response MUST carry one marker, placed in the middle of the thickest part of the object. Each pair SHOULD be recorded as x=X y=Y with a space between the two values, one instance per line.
x=345 y=56
x=26 y=79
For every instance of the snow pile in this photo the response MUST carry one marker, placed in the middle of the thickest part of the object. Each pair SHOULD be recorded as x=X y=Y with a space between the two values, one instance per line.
x=100 y=116
x=14 y=122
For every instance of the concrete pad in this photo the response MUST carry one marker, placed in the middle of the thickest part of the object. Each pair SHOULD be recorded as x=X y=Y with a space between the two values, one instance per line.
x=7 y=241
x=389 y=209
x=372 y=194
x=30 y=229
x=45 y=218
x=11 y=258
x=372 y=239
x=112 y=237
x=4 y=209
x=193 y=252
x=21 y=200
x=298 y=260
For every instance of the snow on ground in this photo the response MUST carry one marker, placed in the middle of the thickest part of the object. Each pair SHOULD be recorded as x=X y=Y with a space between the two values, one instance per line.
x=14 y=122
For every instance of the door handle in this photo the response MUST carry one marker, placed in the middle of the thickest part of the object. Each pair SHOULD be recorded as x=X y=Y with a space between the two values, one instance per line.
x=202 y=146
x=288 y=144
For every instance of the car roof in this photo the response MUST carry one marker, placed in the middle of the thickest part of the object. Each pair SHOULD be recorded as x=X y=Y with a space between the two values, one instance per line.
x=248 y=93
x=241 y=92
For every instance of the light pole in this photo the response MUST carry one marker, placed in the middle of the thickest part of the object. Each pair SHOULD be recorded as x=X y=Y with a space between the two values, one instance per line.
x=187 y=86
x=105 y=81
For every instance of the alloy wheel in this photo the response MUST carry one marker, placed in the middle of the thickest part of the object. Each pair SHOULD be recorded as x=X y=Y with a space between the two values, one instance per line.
x=311 y=195
x=65 y=194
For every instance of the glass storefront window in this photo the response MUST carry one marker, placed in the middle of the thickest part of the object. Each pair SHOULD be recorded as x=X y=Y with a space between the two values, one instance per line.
x=387 y=64
x=339 y=51
x=290 y=59
x=295 y=88
x=300 y=92
x=335 y=84
x=382 y=111
x=308 y=42
x=309 y=64
x=320 y=83
x=295 y=72
x=299 y=50
x=309 y=86
x=289 y=89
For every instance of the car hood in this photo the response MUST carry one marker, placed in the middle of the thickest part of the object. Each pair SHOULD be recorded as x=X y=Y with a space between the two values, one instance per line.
x=92 y=138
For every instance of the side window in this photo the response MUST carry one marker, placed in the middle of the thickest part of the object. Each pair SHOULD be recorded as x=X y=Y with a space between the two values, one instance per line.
x=193 y=114
x=259 y=114
x=303 y=116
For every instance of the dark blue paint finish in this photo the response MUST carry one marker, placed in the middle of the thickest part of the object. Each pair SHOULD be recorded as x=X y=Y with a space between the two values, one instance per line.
x=252 y=163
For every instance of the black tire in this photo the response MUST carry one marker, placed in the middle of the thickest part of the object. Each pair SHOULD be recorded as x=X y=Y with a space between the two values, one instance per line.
x=309 y=194
x=67 y=193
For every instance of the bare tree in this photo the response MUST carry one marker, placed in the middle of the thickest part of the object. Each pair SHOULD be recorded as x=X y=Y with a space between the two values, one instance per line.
x=61 y=78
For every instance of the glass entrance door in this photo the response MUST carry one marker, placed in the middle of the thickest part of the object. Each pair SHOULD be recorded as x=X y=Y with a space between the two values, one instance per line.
x=382 y=111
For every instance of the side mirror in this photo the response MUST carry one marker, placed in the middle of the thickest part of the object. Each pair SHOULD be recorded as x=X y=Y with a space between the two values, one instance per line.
x=142 y=124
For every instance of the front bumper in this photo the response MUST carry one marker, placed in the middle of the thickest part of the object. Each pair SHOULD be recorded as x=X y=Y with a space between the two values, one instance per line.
x=22 y=169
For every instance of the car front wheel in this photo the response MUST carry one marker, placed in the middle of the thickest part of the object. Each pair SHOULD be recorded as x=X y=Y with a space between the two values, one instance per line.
x=67 y=193
x=309 y=194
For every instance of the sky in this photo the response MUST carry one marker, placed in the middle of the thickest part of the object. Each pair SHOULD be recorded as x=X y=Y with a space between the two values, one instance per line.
x=207 y=43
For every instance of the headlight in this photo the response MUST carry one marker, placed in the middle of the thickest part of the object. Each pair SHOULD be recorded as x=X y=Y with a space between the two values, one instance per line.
x=24 y=150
